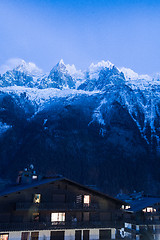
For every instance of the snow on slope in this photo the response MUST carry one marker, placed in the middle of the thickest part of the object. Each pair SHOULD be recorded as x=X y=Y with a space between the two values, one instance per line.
x=41 y=96
x=94 y=69
x=4 y=127
x=143 y=86
x=71 y=70
x=29 y=68
x=18 y=64
x=135 y=81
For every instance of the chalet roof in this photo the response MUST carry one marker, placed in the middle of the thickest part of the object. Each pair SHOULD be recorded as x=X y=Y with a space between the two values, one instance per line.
x=139 y=204
x=20 y=187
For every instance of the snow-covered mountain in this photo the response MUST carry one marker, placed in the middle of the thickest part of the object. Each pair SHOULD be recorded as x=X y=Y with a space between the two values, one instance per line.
x=103 y=116
x=25 y=74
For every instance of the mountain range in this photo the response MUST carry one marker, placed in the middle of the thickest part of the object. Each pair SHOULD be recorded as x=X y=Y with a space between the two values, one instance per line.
x=100 y=126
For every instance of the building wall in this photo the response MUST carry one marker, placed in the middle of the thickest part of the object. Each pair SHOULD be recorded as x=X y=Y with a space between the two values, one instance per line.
x=69 y=234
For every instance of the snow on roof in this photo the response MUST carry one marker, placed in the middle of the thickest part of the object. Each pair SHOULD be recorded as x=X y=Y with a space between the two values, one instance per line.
x=139 y=204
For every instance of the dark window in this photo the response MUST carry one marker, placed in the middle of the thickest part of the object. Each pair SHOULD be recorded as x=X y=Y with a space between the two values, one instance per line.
x=57 y=235
x=35 y=217
x=78 y=235
x=86 y=216
x=85 y=234
x=25 y=236
x=104 y=234
x=34 y=235
x=79 y=201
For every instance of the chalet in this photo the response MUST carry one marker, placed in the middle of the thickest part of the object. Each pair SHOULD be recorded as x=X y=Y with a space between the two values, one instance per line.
x=145 y=211
x=59 y=209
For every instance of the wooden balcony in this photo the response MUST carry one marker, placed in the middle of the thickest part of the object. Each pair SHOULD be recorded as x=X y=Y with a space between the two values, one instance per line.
x=58 y=225
x=56 y=206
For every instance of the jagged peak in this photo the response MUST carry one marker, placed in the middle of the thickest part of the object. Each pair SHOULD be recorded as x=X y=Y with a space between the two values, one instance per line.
x=10 y=64
x=29 y=68
x=67 y=69
x=95 y=68
x=17 y=64
x=61 y=62
x=101 y=64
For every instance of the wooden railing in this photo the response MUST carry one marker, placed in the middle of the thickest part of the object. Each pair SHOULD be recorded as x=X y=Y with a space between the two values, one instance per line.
x=57 y=225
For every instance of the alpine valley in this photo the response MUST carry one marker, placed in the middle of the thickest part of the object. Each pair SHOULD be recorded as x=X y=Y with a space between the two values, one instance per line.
x=99 y=127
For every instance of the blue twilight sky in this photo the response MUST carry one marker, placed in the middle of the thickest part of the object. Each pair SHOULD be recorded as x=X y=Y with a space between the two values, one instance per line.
x=126 y=32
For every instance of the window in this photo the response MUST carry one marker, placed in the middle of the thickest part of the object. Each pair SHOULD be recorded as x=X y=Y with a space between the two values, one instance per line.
x=86 y=200
x=57 y=217
x=35 y=217
x=127 y=207
x=128 y=225
x=104 y=234
x=34 y=177
x=79 y=199
x=85 y=234
x=25 y=236
x=37 y=198
x=78 y=235
x=34 y=235
x=149 y=209
x=58 y=235
x=86 y=216
x=4 y=236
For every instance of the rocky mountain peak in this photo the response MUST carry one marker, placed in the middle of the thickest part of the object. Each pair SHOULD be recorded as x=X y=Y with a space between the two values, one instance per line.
x=107 y=125
x=29 y=69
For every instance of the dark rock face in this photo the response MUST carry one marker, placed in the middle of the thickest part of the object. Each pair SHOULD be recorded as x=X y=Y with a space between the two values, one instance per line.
x=100 y=138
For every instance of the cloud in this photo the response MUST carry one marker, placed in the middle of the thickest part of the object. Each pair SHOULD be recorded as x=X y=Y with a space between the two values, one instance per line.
x=21 y=65
x=10 y=64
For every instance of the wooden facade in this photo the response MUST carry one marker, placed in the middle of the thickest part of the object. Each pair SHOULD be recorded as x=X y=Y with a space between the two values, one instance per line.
x=56 y=208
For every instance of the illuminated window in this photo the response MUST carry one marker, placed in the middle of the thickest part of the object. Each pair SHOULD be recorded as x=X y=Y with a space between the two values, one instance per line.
x=37 y=198
x=3 y=236
x=128 y=225
x=127 y=207
x=58 y=217
x=149 y=209
x=86 y=200
x=34 y=177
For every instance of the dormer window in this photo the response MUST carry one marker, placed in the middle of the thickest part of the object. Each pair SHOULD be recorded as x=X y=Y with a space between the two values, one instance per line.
x=37 y=198
x=34 y=177
x=127 y=207
x=86 y=200
x=149 y=209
